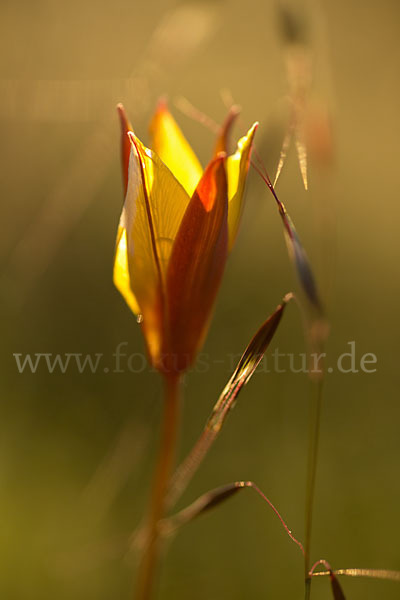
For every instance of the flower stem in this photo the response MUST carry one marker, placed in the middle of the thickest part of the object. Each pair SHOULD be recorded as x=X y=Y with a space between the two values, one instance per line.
x=149 y=559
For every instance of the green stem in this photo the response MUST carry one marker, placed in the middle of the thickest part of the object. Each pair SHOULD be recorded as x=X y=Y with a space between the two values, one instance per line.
x=149 y=560
x=315 y=420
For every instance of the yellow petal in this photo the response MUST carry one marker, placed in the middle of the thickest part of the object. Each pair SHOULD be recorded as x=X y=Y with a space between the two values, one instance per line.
x=121 y=271
x=172 y=147
x=154 y=206
x=237 y=167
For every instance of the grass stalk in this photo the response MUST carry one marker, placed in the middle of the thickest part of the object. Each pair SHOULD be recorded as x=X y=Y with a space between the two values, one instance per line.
x=315 y=421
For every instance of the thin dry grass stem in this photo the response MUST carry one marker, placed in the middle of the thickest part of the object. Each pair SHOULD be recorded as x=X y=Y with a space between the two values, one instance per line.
x=321 y=561
x=221 y=131
x=316 y=331
x=227 y=97
x=315 y=420
x=305 y=128
x=212 y=499
x=316 y=327
x=242 y=374
x=188 y=109
x=312 y=464
x=372 y=573
x=336 y=588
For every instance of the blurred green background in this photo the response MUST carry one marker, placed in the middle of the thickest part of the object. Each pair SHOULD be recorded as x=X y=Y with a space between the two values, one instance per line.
x=76 y=450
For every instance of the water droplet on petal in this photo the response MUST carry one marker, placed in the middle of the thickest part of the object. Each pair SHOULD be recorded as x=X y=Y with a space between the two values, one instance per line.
x=139 y=319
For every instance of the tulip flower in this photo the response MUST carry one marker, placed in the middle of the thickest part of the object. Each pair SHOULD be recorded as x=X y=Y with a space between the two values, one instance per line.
x=177 y=227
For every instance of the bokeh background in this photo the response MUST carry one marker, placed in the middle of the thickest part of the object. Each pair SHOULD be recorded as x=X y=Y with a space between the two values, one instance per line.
x=76 y=450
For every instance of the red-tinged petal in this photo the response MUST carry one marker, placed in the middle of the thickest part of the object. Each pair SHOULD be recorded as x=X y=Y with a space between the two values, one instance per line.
x=125 y=143
x=196 y=266
x=173 y=149
x=222 y=144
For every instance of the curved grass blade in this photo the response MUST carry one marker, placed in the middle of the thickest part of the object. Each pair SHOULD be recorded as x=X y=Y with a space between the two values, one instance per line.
x=203 y=504
x=212 y=499
x=242 y=374
x=246 y=366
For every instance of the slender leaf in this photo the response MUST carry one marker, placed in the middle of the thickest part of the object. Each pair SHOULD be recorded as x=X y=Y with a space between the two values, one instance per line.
x=336 y=587
x=240 y=377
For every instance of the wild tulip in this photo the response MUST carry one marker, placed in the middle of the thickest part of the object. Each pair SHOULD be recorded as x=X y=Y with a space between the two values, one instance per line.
x=176 y=229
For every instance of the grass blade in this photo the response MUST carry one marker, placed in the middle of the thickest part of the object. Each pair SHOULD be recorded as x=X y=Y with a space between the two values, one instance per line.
x=296 y=250
x=212 y=499
x=242 y=374
x=336 y=587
